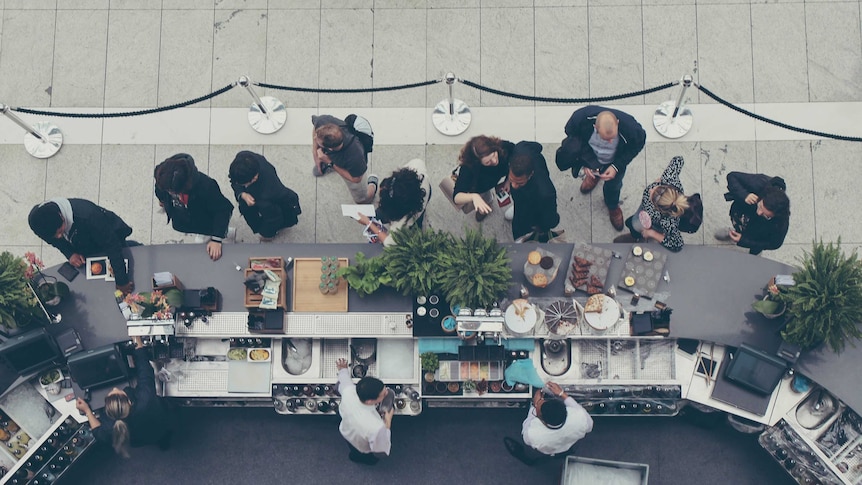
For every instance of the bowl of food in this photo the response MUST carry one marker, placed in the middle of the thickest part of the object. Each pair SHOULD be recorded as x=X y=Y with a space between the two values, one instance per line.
x=50 y=381
x=237 y=354
x=259 y=355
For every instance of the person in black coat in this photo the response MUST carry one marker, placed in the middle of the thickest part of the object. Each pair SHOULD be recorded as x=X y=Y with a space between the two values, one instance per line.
x=133 y=416
x=265 y=203
x=483 y=162
x=603 y=142
x=192 y=201
x=80 y=229
x=532 y=192
x=760 y=212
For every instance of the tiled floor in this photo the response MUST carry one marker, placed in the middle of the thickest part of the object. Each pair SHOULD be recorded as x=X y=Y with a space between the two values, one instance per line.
x=798 y=62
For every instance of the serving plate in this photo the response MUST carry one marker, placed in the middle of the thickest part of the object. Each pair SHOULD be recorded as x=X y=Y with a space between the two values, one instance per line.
x=609 y=315
x=521 y=325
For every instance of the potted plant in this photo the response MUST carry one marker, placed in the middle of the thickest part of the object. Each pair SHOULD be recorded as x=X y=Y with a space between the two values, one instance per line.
x=366 y=275
x=412 y=263
x=18 y=305
x=770 y=306
x=49 y=290
x=475 y=271
x=824 y=305
x=430 y=363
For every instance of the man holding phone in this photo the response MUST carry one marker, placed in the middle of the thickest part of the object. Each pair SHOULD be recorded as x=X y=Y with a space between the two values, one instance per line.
x=80 y=228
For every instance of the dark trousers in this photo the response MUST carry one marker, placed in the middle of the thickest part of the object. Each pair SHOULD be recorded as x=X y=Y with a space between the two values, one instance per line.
x=359 y=456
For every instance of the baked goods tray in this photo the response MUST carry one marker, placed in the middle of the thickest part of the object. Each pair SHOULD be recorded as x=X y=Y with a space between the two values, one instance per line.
x=306 y=288
x=646 y=274
x=601 y=261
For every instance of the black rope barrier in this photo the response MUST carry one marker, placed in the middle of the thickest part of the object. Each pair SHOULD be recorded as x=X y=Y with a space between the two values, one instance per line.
x=355 y=90
x=127 y=113
x=566 y=100
x=773 y=122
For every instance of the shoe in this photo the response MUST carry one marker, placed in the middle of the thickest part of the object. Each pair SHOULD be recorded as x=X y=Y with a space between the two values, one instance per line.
x=480 y=216
x=374 y=179
x=589 y=184
x=317 y=173
x=363 y=459
x=517 y=450
x=510 y=213
x=231 y=234
x=266 y=239
x=626 y=238
x=616 y=216
x=200 y=239
x=723 y=234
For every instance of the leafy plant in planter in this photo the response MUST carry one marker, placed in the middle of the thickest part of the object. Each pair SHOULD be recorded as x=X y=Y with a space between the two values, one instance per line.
x=412 y=262
x=18 y=305
x=430 y=363
x=475 y=271
x=825 y=303
x=366 y=275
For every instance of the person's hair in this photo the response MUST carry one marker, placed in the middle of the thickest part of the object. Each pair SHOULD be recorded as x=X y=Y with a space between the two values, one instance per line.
x=118 y=407
x=478 y=147
x=669 y=201
x=176 y=174
x=45 y=219
x=775 y=200
x=521 y=165
x=243 y=168
x=368 y=388
x=554 y=413
x=330 y=135
x=401 y=195
x=606 y=123
x=692 y=218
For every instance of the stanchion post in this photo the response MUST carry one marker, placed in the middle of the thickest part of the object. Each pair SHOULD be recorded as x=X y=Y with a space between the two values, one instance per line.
x=42 y=140
x=451 y=116
x=672 y=119
x=267 y=114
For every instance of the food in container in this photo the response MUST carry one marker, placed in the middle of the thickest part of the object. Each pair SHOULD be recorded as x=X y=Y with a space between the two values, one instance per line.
x=534 y=257
x=546 y=262
x=454 y=387
x=237 y=354
x=258 y=355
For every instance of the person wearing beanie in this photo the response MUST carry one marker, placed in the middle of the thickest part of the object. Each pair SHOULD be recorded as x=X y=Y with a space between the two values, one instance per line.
x=80 y=229
x=554 y=424
x=264 y=202
x=193 y=201
x=760 y=213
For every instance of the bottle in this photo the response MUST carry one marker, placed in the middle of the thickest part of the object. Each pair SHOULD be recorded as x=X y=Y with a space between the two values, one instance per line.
x=69 y=450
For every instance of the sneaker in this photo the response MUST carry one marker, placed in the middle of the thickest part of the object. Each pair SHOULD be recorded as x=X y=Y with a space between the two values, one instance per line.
x=510 y=213
x=616 y=216
x=231 y=234
x=374 y=179
x=517 y=450
x=368 y=459
x=723 y=234
x=626 y=238
x=264 y=239
x=200 y=238
x=589 y=184
x=317 y=173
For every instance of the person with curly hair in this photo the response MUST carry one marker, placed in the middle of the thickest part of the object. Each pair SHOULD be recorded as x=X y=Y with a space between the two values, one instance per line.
x=760 y=212
x=483 y=163
x=404 y=195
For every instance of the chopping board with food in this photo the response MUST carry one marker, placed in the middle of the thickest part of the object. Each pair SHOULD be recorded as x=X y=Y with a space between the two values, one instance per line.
x=643 y=270
x=541 y=267
x=588 y=269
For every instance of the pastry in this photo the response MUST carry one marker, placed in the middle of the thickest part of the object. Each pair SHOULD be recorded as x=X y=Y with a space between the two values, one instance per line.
x=595 y=304
x=580 y=282
x=546 y=262
x=582 y=274
x=629 y=281
x=596 y=282
x=521 y=306
x=561 y=317
x=648 y=256
x=540 y=280
x=582 y=263
x=637 y=250
x=534 y=257
x=594 y=290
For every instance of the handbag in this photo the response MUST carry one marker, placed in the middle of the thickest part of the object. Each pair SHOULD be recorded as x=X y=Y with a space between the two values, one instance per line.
x=447 y=185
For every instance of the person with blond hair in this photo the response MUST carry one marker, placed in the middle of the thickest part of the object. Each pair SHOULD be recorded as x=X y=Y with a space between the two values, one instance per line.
x=133 y=416
x=662 y=205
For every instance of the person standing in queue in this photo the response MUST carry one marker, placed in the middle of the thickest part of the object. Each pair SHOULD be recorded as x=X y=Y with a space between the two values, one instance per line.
x=265 y=203
x=133 y=416
x=335 y=148
x=193 y=202
x=79 y=229
x=760 y=212
x=483 y=163
x=533 y=193
x=553 y=425
x=404 y=195
x=366 y=432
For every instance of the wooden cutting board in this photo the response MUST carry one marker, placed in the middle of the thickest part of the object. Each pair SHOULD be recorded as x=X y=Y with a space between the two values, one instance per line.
x=306 y=288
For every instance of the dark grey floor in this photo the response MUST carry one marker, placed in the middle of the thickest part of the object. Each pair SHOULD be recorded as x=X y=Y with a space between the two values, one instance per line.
x=257 y=446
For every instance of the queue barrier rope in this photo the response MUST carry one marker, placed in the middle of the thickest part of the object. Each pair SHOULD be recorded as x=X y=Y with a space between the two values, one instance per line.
x=353 y=90
x=597 y=99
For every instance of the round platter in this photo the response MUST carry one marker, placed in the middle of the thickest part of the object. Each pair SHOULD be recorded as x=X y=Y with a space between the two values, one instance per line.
x=520 y=324
x=561 y=318
x=609 y=315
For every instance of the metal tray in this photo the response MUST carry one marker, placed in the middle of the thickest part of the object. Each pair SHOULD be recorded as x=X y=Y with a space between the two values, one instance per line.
x=601 y=259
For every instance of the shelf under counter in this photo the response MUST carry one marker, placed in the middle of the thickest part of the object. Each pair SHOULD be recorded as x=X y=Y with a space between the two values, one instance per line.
x=323 y=325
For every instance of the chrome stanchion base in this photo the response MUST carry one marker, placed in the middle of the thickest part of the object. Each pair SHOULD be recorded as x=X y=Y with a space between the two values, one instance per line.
x=675 y=128
x=453 y=124
x=44 y=149
x=270 y=122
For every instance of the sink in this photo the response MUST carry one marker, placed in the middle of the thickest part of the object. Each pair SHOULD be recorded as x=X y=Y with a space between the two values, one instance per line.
x=297 y=354
x=816 y=409
x=556 y=356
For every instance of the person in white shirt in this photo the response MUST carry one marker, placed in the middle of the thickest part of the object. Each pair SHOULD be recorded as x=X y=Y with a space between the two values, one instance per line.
x=366 y=432
x=553 y=426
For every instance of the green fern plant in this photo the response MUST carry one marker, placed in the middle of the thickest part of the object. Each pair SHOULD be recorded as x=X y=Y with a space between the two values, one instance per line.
x=412 y=262
x=366 y=275
x=475 y=272
x=18 y=305
x=825 y=303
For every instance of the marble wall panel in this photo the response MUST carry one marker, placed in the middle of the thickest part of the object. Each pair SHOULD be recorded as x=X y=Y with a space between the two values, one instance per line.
x=400 y=35
x=508 y=55
x=792 y=161
x=381 y=4
x=82 y=5
x=616 y=52
x=834 y=60
x=132 y=70
x=187 y=4
x=562 y=53
x=669 y=52
x=434 y=4
x=237 y=50
x=136 y=4
x=27 y=35
x=346 y=52
x=186 y=73
x=724 y=52
x=30 y=4
x=836 y=191
x=573 y=207
x=75 y=171
x=294 y=4
x=123 y=186
x=776 y=28
x=346 y=4
x=19 y=193
x=453 y=46
x=293 y=55
x=240 y=4
x=79 y=58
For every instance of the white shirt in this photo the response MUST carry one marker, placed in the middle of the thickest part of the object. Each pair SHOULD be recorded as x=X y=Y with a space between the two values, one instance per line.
x=552 y=441
x=361 y=425
x=604 y=150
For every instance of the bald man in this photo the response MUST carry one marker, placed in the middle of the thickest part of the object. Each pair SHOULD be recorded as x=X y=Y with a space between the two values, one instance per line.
x=602 y=141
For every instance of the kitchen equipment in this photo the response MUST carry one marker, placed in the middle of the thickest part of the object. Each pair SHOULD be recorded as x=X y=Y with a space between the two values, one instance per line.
x=250 y=377
x=395 y=359
x=429 y=312
x=556 y=359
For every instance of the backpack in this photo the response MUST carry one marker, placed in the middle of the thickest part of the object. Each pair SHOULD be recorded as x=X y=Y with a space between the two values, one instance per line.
x=361 y=128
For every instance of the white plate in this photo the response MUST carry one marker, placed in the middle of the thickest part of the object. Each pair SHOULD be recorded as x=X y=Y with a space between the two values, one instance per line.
x=517 y=324
x=607 y=318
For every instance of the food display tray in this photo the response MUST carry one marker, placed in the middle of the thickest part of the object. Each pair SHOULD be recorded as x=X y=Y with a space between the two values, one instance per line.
x=531 y=270
x=601 y=259
x=647 y=274
x=454 y=370
x=306 y=288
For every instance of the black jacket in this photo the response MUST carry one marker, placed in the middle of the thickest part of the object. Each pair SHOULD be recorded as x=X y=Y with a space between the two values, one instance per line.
x=536 y=201
x=148 y=420
x=275 y=206
x=757 y=233
x=96 y=231
x=478 y=179
x=576 y=152
x=207 y=212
